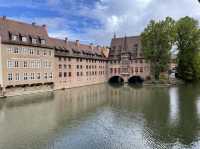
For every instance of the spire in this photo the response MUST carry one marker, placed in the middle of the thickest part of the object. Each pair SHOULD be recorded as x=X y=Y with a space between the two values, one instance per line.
x=125 y=43
x=114 y=35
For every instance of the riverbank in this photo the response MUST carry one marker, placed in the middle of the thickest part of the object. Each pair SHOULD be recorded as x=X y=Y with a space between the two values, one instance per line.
x=164 y=83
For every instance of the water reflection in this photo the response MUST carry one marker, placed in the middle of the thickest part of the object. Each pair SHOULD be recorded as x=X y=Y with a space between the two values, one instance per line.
x=174 y=105
x=102 y=116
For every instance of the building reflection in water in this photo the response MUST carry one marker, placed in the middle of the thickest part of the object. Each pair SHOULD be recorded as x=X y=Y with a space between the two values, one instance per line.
x=174 y=105
x=141 y=117
x=30 y=121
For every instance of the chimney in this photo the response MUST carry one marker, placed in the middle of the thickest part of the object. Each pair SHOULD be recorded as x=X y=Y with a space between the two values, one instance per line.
x=91 y=45
x=77 y=43
x=33 y=23
x=45 y=27
x=66 y=39
x=4 y=17
x=98 y=47
x=114 y=36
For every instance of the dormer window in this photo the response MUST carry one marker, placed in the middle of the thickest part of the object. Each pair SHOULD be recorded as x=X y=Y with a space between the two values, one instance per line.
x=24 y=39
x=34 y=40
x=43 y=42
x=14 y=37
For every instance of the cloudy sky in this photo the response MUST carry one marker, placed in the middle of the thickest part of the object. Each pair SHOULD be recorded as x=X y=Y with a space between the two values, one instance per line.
x=95 y=21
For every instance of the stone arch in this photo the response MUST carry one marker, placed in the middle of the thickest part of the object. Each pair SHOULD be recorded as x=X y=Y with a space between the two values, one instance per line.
x=135 y=80
x=116 y=79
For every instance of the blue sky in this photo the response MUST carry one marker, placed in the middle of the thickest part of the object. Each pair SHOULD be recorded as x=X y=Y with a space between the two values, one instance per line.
x=96 y=20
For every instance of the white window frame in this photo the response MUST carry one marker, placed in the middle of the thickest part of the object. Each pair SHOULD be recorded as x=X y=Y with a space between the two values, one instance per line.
x=43 y=42
x=34 y=41
x=17 y=76
x=14 y=37
x=10 y=76
x=25 y=76
x=24 y=39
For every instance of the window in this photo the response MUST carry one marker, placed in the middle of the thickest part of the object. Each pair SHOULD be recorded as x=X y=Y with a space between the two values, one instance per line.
x=32 y=77
x=17 y=76
x=45 y=75
x=25 y=76
x=81 y=73
x=141 y=61
x=60 y=66
x=10 y=64
x=60 y=74
x=10 y=77
x=34 y=41
x=77 y=73
x=50 y=53
x=70 y=66
x=38 y=76
x=70 y=74
x=59 y=59
x=10 y=50
x=77 y=66
x=15 y=50
x=14 y=37
x=25 y=64
x=43 y=42
x=65 y=66
x=24 y=39
x=65 y=74
x=136 y=69
x=69 y=59
x=38 y=52
x=111 y=70
x=16 y=64
x=45 y=52
x=31 y=51
x=141 y=69
x=51 y=75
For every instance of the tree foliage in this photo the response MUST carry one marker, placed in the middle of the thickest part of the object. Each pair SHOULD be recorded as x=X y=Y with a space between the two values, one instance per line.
x=188 y=43
x=157 y=40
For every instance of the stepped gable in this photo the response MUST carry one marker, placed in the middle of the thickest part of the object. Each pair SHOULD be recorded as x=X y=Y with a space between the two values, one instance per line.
x=117 y=45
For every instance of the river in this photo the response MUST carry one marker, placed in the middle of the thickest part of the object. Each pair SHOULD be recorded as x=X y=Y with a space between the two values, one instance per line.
x=103 y=117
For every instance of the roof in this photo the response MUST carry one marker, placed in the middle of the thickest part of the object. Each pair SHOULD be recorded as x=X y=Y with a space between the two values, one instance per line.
x=130 y=41
x=75 y=49
x=8 y=27
x=125 y=44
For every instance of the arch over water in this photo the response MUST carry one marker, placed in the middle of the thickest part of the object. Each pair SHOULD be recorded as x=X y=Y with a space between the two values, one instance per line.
x=116 y=80
x=135 y=80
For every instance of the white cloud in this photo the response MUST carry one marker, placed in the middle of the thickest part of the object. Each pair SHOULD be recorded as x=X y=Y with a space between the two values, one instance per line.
x=131 y=16
x=121 y=16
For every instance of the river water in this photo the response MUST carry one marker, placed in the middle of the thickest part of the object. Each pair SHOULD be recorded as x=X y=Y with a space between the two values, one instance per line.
x=103 y=117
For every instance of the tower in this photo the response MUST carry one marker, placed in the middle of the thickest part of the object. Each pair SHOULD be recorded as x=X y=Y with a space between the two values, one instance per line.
x=125 y=60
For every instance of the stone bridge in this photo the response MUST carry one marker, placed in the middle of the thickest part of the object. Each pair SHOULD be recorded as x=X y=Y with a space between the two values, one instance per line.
x=127 y=78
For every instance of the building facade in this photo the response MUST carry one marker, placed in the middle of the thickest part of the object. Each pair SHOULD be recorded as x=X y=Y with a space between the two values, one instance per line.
x=26 y=59
x=31 y=61
x=126 y=59
x=78 y=64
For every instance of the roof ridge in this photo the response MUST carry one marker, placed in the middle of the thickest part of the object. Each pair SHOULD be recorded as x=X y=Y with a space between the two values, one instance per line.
x=20 y=22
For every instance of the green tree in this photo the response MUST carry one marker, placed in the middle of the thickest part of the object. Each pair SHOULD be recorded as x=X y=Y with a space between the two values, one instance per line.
x=188 y=44
x=157 y=40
